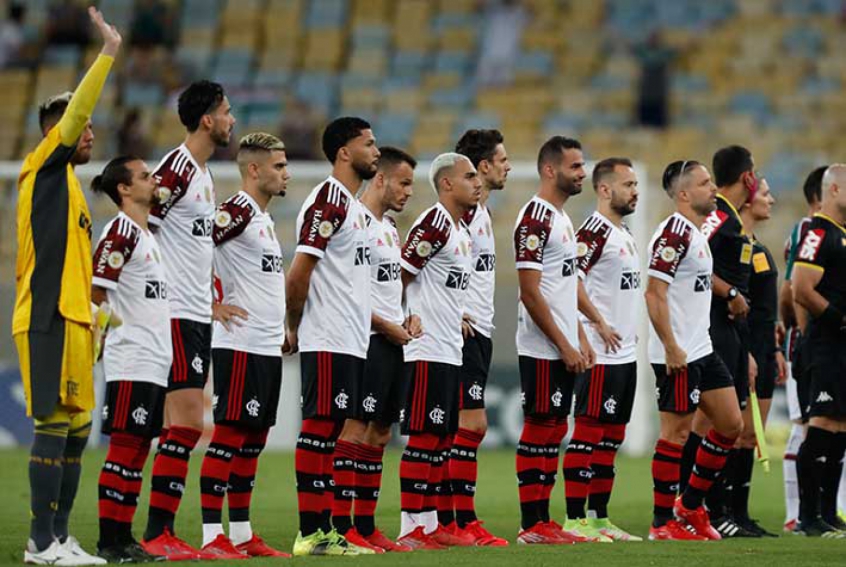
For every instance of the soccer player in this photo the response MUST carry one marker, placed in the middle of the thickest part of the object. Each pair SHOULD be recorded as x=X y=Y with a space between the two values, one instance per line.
x=183 y=223
x=689 y=374
x=130 y=276
x=247 y=356
x=382 y=388
x=436 y=268
x=609 y=269
x=795 y=319
x=819 y=286
x=731 y=248
x=487 y=153
x=52 y=317
x=328 y=321
x=551 y=342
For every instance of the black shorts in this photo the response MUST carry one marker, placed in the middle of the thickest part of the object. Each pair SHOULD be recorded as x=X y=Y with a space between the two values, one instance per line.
x=730 y=340
x=476 y=364
x=331 y=383
x=133 y=407
x=763 y=348
x=546 y=387
x=801 y=371
x=382 y=387
x=191 y=354
x=246 y=388
x=680 y=392
x=828 y=374
x=606 y=392
x=432 y=398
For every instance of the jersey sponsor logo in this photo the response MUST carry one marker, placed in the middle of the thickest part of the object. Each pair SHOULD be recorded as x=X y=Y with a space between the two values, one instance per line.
x=476 y=392
x=630 y=280
x=202 y=228
x=253 y=407
x=437 y=415
x=271 y=263
x=341 y=400
x=824 y=397
x=486 y=263
x=610 y=406
x=139 y=415
x=388 y=272
x=155 y=289
x=702 y=283
x=197 y=364
x=569 y=268
x=362 y=256
x=85 y=223
x=713 y=222
x=457 y=279
x=811 y=244
x=369 y=404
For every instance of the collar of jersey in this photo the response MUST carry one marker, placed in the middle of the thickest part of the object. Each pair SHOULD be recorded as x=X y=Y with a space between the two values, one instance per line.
x=335 y=180
x=736 y=214
x=132 y=222
x=831 y=220
x=252 y=202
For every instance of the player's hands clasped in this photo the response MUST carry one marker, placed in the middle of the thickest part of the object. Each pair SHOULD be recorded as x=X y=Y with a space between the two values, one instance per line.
x=573 y=359
x=397 y=334
x=414 y=326
x=111 y=37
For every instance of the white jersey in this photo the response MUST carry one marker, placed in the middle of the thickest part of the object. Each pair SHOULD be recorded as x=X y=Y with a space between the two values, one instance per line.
x=609 y=267
x=385 y=281
x=248 y=273
x=680 y=256
x=437 y=252
x=184 y=226
x=129 y=266
x=544 y=240
x=480 y=294
x=336 y=317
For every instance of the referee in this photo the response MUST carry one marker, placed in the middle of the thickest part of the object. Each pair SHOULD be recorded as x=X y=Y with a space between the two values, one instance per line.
x=819 y=286
x=52 y=318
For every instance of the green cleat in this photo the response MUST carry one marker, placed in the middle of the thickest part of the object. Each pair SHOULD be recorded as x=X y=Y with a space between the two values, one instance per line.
x=351 y=548
x=320 y=543
x=581 y=527
x=606 y=528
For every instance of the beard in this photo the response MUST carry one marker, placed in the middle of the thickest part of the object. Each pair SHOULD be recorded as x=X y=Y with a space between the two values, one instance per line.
x=80 y=157
x=220 y=138
x=623 y=208
x=566 y=185
x=705 y=209
x=365 y=171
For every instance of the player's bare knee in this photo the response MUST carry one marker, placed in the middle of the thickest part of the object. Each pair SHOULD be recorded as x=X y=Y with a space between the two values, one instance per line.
x=353 y=431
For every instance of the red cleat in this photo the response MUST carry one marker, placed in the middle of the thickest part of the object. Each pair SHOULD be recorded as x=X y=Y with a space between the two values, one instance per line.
x=171 y=547
x=483 y=537
x=697 y=519
x=222 y=547
x=378 y=539
x=570 y=537
x=674 y=531
x=358 y=540
x=451 y=536
x=418 y=539
x=257 y=548
x=542 y=534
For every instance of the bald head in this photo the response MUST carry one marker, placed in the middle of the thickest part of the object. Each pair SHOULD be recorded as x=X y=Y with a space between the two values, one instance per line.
x=834 y=191
x=834 y=175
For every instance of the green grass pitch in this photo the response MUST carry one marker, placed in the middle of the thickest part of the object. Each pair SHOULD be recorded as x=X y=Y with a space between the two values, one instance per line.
x=274 y=516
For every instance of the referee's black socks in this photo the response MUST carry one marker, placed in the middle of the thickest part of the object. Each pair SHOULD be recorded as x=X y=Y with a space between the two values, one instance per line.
x=741 y=482
x=811 y=464
x=830 y=479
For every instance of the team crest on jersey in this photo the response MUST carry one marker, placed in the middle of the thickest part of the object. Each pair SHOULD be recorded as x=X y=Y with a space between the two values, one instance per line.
x=668 y=254
x=532 y=242
x=197 y=364
x=325 y=229
x=369 y=403
x=341 y=400
x=437 y=415
x=464 y=250
x=557 y=398
x=694 y=396
x=253 y=407
x=475 y=391
x=222 y=219
x=402 y=416
x=424 y=248
x=116 y=260
x=105 y=413
x=610 y=406
x=139 y=415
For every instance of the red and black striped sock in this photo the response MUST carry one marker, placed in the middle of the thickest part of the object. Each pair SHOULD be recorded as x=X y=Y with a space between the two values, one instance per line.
x=444 y=502
x=531 y=464
x=602 y=467
x=118 y=488
x=368 y=480
x=242 y=475
x=309 y=461
x=577 y=464
x=666 y=463
x=553 y=452
x=710 y=460
x=170 y=468
x=226 y=442
x=415 y=470
x=344 y=461
x=463 y=472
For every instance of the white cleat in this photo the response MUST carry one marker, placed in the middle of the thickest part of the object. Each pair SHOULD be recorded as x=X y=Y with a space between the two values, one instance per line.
x=72 y=547
x=61 y=555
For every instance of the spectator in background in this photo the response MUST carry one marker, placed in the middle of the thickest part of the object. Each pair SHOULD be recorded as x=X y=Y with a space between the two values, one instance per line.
x=503 y=29
x=152 y=24
x=12 y=35
x=299 y=129
x=653 y=92
x=67 y=24
x=132 y=136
